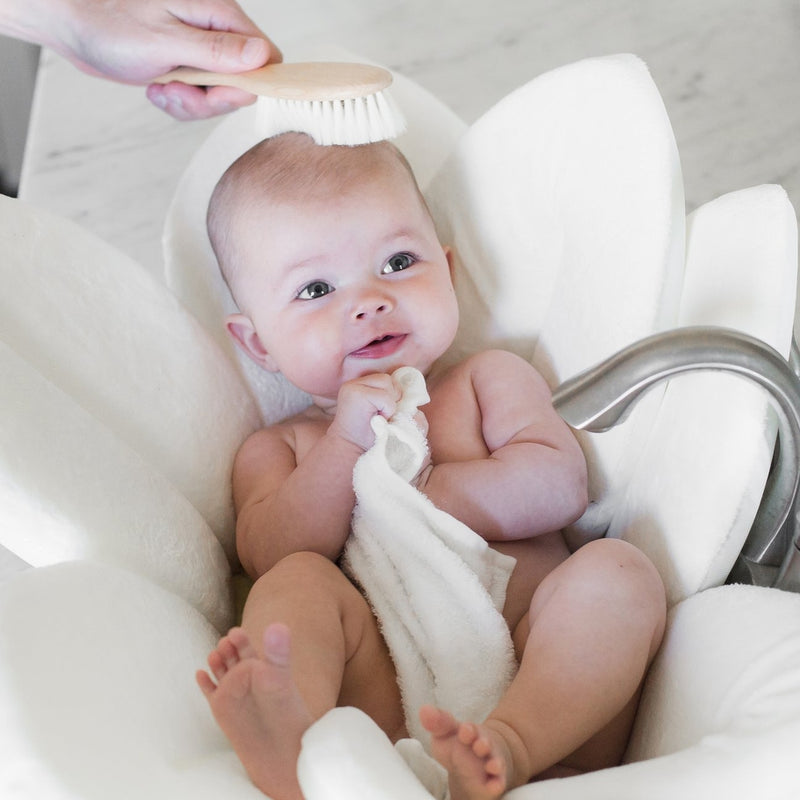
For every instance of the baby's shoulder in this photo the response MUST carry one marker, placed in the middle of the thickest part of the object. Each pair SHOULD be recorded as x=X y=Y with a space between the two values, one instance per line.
x=493 y=366
x=283 y=435
x=266 y=446
x=497 y=359
x=488 y=379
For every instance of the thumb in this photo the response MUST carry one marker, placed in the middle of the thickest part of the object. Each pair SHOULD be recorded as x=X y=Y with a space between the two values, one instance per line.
x=223 y=51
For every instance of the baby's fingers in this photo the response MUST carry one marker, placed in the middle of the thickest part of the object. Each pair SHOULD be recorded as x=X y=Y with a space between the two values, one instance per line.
x=359 y=401
x=379 y=390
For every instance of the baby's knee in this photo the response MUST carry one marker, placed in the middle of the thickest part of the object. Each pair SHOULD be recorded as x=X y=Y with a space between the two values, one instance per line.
x=618 y=568
x=301 y=573
x=304 y=563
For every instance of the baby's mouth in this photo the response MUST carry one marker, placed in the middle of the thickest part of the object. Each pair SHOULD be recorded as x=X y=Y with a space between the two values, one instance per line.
x=381 y=346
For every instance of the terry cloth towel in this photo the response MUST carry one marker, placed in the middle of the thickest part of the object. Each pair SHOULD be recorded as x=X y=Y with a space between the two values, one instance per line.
x=435 y=586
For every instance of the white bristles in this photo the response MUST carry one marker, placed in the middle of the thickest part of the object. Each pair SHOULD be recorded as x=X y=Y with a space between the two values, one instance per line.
x=352 y=121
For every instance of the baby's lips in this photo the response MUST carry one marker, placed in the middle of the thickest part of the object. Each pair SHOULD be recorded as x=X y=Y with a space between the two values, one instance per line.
x=380 y=347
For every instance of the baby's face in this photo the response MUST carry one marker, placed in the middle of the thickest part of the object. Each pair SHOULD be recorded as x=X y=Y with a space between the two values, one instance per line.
x=342 y=287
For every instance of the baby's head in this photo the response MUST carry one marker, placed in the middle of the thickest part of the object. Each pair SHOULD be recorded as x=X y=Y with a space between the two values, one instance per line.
x=288 y=170
x=333 y=260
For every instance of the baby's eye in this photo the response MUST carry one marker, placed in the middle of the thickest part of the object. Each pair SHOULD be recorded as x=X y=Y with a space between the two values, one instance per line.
x=314 y=290
x=398 y=262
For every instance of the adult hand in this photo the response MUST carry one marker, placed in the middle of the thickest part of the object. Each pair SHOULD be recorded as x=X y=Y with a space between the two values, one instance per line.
x=134 y=41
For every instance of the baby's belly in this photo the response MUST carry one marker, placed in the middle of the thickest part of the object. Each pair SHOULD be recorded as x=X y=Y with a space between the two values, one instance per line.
x=536 y=559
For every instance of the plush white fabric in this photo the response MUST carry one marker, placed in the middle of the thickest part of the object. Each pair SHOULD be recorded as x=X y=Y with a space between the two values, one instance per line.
x=436 y=587
x=335 y=752
x=93 y=323
x=126 y=415
x=97 y=696
x=71 y=489
x=567 y=190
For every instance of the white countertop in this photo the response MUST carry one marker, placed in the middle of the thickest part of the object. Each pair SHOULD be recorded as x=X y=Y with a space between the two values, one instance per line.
x=728 y=70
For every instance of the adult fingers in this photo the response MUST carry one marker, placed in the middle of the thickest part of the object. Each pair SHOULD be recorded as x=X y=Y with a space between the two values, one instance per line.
x=219 y=36
x=186 y=102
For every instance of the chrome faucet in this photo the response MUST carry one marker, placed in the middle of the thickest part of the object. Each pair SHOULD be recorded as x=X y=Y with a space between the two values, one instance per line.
x=601 y=397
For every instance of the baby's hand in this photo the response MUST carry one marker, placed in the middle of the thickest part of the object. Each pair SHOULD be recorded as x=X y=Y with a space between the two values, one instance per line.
x=358 y=402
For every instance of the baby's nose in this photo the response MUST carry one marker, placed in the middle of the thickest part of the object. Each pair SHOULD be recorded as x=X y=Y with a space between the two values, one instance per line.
x=372 y=304
x=363 y=313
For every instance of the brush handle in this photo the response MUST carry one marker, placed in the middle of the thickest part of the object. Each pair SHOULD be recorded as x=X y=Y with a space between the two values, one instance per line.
x=300 y=81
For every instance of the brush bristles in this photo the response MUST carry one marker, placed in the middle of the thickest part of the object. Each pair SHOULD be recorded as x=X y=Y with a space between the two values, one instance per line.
x=353 y=121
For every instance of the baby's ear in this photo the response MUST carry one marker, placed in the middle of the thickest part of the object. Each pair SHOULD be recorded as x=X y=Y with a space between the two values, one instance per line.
x=448 y=254
x=244 y=333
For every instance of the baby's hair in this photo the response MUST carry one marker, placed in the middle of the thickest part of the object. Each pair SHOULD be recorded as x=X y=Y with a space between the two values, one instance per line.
x=289 y=168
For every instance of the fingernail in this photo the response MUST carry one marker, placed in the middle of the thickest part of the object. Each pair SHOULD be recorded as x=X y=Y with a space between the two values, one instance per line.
x=254 y=52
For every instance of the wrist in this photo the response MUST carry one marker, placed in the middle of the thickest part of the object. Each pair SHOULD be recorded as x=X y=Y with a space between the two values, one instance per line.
x=22 y=20
x=32 y=20
x=344 y=442
x=54 y=24
x=358 y=437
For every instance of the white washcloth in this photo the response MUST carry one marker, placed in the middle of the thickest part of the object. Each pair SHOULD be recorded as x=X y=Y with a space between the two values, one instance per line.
x=435 y=586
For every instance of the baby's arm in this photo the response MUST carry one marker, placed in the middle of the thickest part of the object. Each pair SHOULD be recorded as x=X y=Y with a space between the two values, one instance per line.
x=285 y=503
x=531 y=477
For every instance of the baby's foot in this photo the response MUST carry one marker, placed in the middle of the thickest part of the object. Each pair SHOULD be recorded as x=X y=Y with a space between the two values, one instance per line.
x=476 y=758
x=257 y=705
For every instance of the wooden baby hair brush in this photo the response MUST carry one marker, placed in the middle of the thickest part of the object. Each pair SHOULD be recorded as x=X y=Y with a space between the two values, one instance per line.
x=333 y=102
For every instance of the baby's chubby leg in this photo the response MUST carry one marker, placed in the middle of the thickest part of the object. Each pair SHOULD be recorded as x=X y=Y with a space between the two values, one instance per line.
x=594 y=626
x=338 y=657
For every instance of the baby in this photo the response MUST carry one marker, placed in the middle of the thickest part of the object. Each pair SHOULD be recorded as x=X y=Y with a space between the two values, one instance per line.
x=340 y=279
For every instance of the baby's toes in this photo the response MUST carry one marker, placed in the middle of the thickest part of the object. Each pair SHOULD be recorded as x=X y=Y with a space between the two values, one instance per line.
x=242 y=644
x=481 y=746
x=495 y=767
x=207 y=686
x=468 y=734
x=226 y=655
x=217 y=664
x=437 y=722
x=229 y=652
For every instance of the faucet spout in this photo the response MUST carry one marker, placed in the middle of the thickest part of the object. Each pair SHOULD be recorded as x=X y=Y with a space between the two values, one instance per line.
x=602 y=397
